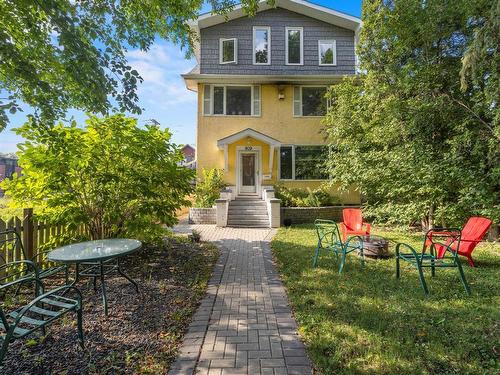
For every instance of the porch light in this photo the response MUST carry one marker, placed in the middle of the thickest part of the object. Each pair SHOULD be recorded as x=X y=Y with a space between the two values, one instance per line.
x=281 y=92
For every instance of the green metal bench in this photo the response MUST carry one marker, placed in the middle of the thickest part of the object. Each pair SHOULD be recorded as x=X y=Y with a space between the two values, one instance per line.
x=329 y=239
x=40 y=312
x=447 y=259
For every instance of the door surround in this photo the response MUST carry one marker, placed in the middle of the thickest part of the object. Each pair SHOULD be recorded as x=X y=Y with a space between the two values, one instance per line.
x=257 y=151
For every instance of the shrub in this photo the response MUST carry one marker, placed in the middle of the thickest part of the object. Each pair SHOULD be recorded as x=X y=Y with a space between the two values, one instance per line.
x=112 y=176
x=209 y=187
x=293 y=197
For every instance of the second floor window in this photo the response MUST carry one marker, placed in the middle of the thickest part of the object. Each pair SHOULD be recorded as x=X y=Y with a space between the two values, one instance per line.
x=231 y=100
x=309 y=101
x=327 y=52
x=261 y=45
x=294 y=46
x=228 y=51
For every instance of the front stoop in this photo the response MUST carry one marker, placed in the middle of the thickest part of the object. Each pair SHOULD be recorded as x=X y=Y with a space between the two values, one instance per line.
x=248 y=212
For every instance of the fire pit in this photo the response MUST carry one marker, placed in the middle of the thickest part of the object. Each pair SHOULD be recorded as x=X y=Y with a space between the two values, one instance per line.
x=375 y=247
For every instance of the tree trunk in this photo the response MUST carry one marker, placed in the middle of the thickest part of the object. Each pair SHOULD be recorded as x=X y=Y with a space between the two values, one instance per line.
x=428 y=221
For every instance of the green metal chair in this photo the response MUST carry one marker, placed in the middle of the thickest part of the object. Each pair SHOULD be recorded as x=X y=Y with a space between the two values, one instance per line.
x=10 y=243
x=37 y=314
x=329 y=239
x=443 y=239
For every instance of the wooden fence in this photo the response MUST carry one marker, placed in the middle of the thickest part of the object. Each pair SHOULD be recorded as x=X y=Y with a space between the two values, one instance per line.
x=34 y=234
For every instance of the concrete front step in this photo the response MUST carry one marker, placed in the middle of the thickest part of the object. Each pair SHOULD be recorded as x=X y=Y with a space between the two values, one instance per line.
x=249 y=210
x=247 y=204
x=247 y=222
x=239 y=216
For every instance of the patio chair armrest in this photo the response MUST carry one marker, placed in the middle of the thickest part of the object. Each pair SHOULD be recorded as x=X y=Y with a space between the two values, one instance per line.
x=28 y=263
x=38 y=299
x=348 y=241
x=400 y=245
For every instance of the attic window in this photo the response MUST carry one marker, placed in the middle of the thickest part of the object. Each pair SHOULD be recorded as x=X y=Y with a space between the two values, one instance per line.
x=228 y=51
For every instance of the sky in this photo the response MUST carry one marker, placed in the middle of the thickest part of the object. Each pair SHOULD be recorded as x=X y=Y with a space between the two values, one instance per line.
x=163 y=94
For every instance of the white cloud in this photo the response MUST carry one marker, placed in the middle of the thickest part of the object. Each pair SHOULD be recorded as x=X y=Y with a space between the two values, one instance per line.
x=161 y=67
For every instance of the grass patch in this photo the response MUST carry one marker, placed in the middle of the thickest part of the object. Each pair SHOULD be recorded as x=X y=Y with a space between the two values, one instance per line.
x=367 y=322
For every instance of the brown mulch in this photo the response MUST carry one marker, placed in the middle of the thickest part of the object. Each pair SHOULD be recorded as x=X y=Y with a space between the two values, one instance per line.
x=142 y=332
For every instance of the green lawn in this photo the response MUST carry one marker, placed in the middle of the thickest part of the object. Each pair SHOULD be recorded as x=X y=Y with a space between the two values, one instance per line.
x=367 y=322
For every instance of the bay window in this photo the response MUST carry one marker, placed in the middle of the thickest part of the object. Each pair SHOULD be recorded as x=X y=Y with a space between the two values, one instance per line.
x=303 y=162
x=231 y=100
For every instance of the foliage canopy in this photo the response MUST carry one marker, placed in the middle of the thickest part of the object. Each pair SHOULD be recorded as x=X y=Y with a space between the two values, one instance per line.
x=62 y=54
x=112 y=176
x=419 y=131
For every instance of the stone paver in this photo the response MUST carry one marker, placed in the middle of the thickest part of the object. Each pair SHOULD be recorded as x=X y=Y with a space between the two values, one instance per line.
x=244 y=324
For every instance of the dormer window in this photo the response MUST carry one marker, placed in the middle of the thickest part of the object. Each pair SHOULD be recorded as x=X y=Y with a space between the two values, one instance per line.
x=228 y=51
x=294 y=46
x=327 y=52
x=261 y=45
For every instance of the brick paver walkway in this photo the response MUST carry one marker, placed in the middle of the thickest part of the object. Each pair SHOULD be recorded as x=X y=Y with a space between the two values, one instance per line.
x=244 y=324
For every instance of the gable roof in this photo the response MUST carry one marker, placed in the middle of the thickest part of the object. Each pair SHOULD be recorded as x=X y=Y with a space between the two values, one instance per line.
x=303 y=7
x=248 y=132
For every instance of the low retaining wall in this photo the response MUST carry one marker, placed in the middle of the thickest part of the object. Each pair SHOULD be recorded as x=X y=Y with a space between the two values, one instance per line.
x=302 y=215
x=202 y=215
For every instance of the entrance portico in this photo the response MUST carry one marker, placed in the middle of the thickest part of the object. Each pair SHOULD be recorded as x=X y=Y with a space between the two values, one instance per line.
x=249 y=160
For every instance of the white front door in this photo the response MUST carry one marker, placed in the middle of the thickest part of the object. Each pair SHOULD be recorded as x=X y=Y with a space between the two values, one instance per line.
x=248 y=172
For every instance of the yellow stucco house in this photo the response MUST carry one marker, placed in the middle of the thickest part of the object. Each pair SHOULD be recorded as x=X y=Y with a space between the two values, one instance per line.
x=261 y=83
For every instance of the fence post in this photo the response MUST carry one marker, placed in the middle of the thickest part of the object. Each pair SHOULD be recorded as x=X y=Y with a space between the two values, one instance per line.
x=28 y=235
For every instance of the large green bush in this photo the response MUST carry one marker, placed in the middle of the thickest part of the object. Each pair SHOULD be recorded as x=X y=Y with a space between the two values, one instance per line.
x=293 y=197
x=112 y=176
x=208 y=187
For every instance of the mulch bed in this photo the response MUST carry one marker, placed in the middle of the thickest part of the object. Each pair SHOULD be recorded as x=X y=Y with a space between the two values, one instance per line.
x=142 y=332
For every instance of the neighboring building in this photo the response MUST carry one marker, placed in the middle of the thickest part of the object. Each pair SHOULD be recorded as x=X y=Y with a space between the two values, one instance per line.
x=189 y=153
x=8 y=167
x=261 y=83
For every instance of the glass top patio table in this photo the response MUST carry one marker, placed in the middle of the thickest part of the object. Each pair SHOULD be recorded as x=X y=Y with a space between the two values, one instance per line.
x=94 y=251
x=101 y=257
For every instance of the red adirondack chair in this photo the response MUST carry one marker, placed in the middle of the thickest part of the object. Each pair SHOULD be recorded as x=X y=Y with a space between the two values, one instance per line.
x=472 y=233
x=353 y=223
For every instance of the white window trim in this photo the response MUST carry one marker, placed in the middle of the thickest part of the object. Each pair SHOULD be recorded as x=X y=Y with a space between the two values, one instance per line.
x=301 y=29
x=333 y=42
x=268 y=28
x=221 y=51
x=212 y=101
x=300 y=106
x=293 y=163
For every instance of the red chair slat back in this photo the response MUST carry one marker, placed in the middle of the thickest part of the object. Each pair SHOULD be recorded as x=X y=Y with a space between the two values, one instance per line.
x=473 y=232
x=353 y=218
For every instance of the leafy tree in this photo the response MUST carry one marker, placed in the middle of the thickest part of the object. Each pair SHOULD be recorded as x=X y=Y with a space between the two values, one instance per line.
x=61 y=54
x=417 y=142
x=112 y=176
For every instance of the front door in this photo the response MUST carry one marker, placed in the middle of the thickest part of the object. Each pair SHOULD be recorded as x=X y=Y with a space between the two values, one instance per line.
x=248 y=173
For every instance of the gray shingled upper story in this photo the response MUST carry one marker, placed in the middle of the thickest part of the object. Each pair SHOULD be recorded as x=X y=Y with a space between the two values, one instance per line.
x=278 y=20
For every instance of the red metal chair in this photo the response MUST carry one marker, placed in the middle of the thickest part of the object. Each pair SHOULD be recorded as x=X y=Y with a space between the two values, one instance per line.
x=353 y=223
x=472 y=233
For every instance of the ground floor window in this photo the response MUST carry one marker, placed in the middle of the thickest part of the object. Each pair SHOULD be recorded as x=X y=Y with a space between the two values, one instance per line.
x=303 y=162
